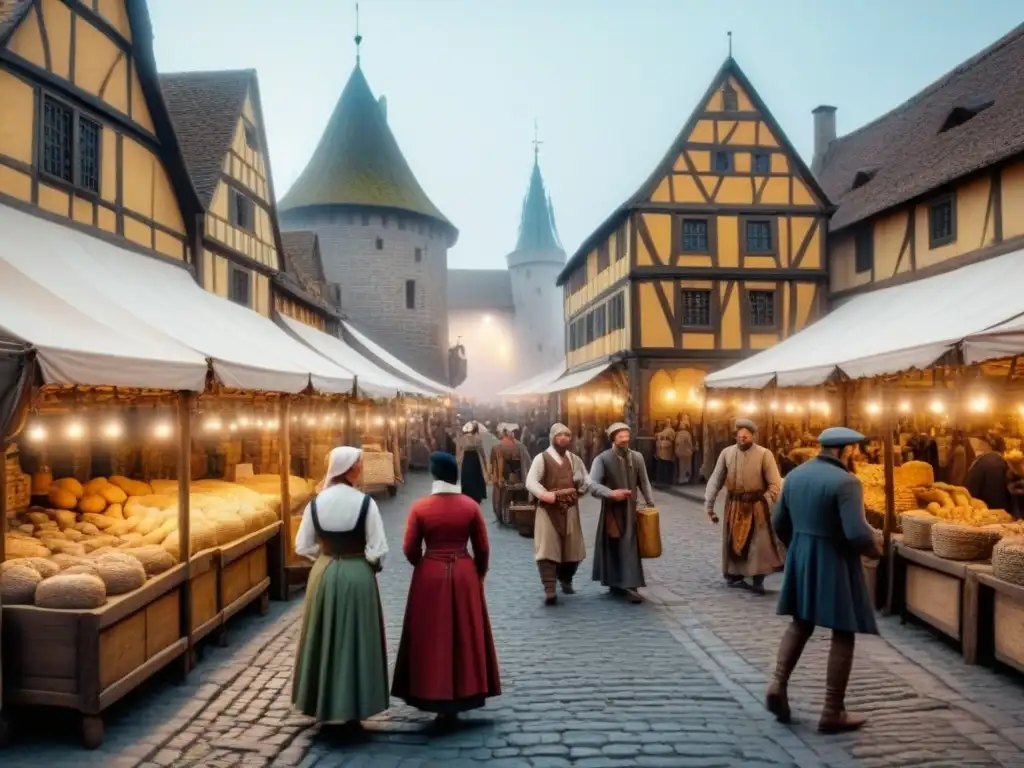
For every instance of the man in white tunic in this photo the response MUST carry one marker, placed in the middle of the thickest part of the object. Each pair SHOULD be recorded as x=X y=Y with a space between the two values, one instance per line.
x=557 y=479
x=752 y=481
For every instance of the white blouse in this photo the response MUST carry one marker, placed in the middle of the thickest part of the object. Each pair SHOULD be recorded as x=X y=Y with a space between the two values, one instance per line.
x=337 y=509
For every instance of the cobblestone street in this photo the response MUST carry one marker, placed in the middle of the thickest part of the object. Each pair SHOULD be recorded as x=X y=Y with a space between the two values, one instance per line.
x=591 y=682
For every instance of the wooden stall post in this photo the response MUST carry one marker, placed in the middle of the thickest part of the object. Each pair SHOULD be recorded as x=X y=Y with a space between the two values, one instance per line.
x=284 y=462
x=186 y=401
x=349 y=425
x=889 y=524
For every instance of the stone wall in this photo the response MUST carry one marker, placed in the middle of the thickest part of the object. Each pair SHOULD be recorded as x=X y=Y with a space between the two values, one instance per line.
x=539 y=324
x=371 y=256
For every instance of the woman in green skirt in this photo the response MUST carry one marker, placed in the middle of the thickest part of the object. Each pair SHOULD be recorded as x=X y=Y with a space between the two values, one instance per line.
x=341 y=671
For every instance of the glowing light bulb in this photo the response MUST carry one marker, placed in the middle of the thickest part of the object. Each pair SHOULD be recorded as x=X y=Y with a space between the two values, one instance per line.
x=212 y=424
x=310 y=421
x=714 y=405
x=790 y=408
x=162 y=431
x=670 y=395
x=980 y=404
x=379 y=420
x=750 y=407
x=937 y=406
x=774 y=405
x=874 y=408
x=113 y=430
x=75 y=430
x=37 y=434
x=825 y=409
x=232 y=427
x=244 y=421
x=487 y=319
x=904 y=406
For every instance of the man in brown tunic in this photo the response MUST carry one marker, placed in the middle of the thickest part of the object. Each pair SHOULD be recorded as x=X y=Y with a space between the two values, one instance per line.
x=557 y=479
x=751 y=477
x=509 y=463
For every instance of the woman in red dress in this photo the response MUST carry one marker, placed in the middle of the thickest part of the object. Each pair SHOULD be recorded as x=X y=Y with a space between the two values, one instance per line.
x=446 y=659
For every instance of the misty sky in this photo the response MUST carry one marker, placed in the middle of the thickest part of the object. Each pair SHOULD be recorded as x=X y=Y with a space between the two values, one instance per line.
x=610 y=82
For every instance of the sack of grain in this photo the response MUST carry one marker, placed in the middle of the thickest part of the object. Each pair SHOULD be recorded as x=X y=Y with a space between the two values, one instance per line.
x=120 y=572
x=71 y=591
x=154 y=559
x=18 y=585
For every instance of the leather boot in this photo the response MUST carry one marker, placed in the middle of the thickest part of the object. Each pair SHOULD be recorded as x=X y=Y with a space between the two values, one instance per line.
x=548 y=577
x=834 y=717
x=792 y=646
x=565 y=573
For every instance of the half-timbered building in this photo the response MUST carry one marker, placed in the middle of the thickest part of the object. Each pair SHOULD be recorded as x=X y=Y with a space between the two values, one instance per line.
x=85 y=137
x=720 y=253
x=219 y=121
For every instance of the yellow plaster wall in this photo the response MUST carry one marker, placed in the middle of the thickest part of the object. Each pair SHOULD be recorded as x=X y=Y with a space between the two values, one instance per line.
x=1013 y=200
x=16 y=118
x=257 y=245
x=115 y=14
x=599 y=282
x=285 y=306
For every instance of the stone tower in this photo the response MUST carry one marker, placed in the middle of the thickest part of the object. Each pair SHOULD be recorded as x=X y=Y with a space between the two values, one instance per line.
x=533 y=268
x=383 y=242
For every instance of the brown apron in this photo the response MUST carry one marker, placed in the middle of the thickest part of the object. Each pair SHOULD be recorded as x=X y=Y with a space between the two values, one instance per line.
x=558 y=479
x=746 y=506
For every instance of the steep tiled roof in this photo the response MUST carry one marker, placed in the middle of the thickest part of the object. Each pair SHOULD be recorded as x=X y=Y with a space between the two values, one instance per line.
x=205 y=108
x=300 y=246
x=537 y=230
x=480 y=289
x=358 y=161
x=11 y=12
x=911 y=153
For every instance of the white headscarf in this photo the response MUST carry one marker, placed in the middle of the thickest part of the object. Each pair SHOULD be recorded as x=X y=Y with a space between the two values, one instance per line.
x=558 y=429
x=468 y=427
x=341 y=460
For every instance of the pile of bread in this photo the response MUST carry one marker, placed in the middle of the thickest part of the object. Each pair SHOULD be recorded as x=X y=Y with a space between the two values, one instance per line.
x=114 y=533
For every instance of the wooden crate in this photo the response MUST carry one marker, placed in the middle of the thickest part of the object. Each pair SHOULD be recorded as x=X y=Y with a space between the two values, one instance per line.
x=86 y=660
x=206 y=614
x=244 y=574
x=1004 y=619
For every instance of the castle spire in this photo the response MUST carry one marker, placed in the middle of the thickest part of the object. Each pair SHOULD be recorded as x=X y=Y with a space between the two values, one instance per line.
x=537 y=226
x=358 y=38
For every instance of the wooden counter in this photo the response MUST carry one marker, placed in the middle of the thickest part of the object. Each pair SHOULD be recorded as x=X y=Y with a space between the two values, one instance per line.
x=1003 y=620
x=86 y=660
x=244 y=571
x=941 y=593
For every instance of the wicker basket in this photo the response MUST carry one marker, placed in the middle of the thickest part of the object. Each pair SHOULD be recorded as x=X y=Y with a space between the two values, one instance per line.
x=378 y=468
x=917 y=530
x=19 y=485
x=961 y=542
x=1008 y=560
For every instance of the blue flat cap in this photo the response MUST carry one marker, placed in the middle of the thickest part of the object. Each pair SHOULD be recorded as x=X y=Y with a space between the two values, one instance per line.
x=444 y=467
x=837 y=437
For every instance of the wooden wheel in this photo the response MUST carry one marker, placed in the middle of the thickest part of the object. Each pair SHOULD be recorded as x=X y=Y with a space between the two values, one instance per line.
x=92 y=731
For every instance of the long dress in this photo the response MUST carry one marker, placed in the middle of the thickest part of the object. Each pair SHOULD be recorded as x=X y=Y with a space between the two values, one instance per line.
x=472 y=475
x=617 y=548
x=751 y=477
x=446 y=659
x=341 y=669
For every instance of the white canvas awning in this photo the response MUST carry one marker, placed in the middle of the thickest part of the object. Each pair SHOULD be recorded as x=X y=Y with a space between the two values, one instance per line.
x=91 y=342
x=247 y=350
x=530 y=385
x=573 y=380
x=1004 y=340
x=891 y=330
x=370 y=377
x=393 y=362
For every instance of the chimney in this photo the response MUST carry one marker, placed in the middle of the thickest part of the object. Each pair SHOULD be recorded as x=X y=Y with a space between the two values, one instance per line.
x=824 y=134
x=383 y=102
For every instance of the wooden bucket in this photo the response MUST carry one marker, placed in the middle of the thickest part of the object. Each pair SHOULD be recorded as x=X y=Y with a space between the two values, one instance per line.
x=523 y=516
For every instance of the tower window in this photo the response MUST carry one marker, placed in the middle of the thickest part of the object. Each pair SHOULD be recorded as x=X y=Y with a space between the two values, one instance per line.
x=410 y=294
x=418 y=255
x=379 y=243
x=723 y=162
x=384 y=221
x=401 y=223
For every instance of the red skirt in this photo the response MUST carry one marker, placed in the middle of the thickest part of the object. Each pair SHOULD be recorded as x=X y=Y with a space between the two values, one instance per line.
x=446 y=659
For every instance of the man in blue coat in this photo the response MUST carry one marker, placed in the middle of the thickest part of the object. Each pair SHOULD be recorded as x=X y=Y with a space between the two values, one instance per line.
x=820 y=518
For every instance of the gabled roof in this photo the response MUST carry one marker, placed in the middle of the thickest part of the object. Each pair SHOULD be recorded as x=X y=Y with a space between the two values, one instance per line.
x=729 y=68
x=205 y=108
x=483 y=289
x=302 y=248
x=907 y=145
x=358 y=162
x=537 y=230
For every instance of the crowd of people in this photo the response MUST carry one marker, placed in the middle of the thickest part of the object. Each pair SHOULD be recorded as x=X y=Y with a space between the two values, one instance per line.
x=811 y=527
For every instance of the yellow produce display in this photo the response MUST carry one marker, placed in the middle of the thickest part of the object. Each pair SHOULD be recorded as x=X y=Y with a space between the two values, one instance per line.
x=125 y=531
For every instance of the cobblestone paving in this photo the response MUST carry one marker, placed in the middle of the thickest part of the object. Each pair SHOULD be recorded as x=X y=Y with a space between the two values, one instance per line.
x=591 y=683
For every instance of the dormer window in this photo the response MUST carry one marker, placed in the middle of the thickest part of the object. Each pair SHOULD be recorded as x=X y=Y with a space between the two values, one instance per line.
x=730 y=102
x=962 y=113
x=862 y=177
x=251 y=139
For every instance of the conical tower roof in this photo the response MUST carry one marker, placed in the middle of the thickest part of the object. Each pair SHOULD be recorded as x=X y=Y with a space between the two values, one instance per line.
x=538 y=236
x=358 y=161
